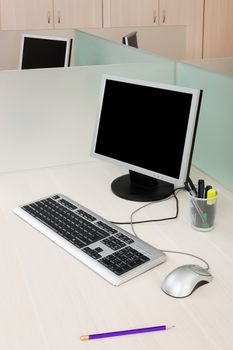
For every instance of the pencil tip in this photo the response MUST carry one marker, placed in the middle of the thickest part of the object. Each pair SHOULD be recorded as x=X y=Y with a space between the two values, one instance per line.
x=169 y=327
x=84 y=337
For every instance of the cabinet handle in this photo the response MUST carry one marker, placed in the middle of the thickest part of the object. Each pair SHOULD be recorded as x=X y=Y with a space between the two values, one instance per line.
x=59 y=17
x=154 y=16
x=163 y=16
x=49 y=17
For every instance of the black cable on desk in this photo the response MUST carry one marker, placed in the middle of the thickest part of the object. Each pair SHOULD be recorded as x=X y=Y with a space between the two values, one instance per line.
x=154 y=220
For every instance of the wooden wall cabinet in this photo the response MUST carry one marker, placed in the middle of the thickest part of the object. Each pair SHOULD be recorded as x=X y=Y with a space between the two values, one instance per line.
x=26 y=14
x=77 y=13
x=189 y=13
x=123 y=13
x=126 y=13
x=218 y=29
x=45 y=14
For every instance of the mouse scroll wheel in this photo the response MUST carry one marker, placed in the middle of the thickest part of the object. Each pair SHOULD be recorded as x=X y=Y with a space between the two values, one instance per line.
x=200 y=270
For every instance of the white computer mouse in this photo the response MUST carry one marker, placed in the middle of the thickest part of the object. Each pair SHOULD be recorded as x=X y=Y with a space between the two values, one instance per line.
x=182 y=281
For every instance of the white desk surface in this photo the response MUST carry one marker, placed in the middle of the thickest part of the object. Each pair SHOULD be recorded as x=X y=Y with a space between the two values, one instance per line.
x=48 y=299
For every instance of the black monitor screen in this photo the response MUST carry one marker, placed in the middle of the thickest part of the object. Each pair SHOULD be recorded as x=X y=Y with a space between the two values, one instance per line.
x=42 y=52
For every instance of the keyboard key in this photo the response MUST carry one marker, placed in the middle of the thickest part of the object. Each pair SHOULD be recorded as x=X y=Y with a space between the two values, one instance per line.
x=124 y=260
x=92 y=252
x=85 y=215
x=67 y=204
x=113 y=243
x=106 y=227
x=124 y=238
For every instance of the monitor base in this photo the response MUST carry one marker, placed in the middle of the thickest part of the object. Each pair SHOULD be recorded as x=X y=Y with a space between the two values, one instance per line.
x=147 y=189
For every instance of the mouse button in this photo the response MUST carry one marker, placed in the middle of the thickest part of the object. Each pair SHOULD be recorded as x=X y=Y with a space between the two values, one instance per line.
x=200 y=270
x=178 y=283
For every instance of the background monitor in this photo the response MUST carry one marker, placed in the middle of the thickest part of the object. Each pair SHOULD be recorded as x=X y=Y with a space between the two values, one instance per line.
x=44 y=52
x=130 y=39
x=150 y=129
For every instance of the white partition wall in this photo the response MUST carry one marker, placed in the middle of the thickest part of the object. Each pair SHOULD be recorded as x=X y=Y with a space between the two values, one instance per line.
x=47 y=116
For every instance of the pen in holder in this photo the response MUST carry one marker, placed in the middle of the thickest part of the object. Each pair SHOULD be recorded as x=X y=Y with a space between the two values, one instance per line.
x=203 y=211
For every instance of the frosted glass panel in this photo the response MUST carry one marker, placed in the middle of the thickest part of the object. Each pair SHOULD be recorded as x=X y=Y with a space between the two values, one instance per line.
x=213 y=151
x=93 y=50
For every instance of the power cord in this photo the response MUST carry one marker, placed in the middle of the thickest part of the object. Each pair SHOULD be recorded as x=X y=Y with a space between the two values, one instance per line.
x=173 y=195
x=132 y=223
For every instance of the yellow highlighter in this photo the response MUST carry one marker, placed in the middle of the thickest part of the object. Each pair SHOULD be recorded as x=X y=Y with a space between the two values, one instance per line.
x=211 y=194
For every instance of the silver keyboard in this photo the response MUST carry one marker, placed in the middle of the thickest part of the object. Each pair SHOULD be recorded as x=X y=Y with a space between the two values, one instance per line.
x=112 y=252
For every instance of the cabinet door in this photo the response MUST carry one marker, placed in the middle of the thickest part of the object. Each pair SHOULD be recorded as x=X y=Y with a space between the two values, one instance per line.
x=218 y=29
x=189 y=13
x=26 y=14
x=77 y=13
x=126 y=13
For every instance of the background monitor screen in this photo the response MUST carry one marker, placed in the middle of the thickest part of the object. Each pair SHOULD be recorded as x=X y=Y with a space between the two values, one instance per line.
x=44 y=52
x=149 y=128
x=130 y=39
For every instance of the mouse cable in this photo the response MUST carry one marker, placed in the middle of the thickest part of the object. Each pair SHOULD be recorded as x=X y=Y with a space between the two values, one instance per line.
x=173 y=195
x=189 y=254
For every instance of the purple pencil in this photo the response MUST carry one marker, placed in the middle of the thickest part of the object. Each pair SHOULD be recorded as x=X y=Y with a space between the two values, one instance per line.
x=125 y=332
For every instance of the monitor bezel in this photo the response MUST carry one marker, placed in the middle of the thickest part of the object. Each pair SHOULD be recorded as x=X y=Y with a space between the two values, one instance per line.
x=45 y=37
x=190 y=134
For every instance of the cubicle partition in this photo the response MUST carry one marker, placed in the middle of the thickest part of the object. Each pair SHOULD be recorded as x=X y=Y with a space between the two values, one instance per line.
x=48 y=115
x=90 y=49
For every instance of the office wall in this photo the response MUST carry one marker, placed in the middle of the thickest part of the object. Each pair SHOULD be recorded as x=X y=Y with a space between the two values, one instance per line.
x=218 y=65
x=168 y=41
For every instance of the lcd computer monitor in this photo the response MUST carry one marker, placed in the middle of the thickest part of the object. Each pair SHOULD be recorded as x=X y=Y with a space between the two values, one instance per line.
x=149 y=128
x=130 y=39
x=44 y=52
